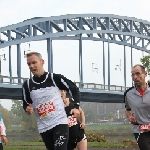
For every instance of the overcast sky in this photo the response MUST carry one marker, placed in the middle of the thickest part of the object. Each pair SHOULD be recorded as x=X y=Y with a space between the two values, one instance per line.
x=66 y=52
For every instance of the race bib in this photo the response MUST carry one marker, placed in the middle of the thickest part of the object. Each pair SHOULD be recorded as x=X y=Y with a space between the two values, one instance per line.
x=145 y=127
x=72 y=121
x=45 y=109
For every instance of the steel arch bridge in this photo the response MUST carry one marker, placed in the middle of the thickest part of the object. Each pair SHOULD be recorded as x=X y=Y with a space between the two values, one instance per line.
x=121 y=30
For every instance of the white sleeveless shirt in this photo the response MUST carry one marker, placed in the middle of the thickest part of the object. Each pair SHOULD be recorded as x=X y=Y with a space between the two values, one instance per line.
x=48 y=105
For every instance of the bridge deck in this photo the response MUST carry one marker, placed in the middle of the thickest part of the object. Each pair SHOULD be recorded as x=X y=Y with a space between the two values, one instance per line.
x=89 y=91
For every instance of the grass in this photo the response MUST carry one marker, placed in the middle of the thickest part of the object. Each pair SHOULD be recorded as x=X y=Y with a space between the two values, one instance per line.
x=90 y=144
x=25 y=144
x=23 y=149
x=105 y=129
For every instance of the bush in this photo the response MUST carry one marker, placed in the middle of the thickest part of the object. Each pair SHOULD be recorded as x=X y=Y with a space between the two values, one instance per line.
x=93 y=137
x=130 y=143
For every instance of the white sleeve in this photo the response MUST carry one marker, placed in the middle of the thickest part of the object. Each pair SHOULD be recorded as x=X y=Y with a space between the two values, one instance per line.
x=3 y=128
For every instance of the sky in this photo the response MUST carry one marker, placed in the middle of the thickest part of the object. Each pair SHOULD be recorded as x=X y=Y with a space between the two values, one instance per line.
x=66 y=52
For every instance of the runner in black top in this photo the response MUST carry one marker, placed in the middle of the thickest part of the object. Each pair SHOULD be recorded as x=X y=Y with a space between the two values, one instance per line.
x=76 y=129
x=73 y=124
x=42 y=94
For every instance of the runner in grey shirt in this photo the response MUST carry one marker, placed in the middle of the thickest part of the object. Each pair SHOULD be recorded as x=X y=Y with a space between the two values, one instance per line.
x=137 y=104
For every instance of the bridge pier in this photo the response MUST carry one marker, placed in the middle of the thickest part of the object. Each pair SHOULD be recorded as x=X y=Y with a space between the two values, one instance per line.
x=108 y=67
x=19 y=63
x=125 y=82
x=131 y=54
x=80 y=62
x=50 y=55
x=104 y=64
x=10 y=68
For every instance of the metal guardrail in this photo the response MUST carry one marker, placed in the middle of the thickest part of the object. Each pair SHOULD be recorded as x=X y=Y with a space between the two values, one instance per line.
x=89 y=86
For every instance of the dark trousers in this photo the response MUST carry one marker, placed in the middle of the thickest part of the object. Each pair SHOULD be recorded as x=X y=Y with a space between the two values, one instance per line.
x=1 y=146
x=143 y=140
x=56 y=138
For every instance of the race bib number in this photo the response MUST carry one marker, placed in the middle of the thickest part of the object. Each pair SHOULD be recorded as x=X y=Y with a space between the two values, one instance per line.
x=72 y=121
x=45 y=109
x=145 y=127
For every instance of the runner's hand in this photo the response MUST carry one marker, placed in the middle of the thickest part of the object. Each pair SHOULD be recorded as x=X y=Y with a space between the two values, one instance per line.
x=82 y=126
x=4 y=139
x=29 y=109
x=75 y=112
x=132 y=119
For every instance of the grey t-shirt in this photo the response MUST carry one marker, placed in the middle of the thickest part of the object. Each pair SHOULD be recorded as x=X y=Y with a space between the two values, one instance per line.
x=139 y=105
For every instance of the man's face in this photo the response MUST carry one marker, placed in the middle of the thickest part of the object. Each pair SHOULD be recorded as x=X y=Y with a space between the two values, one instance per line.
x=138 y=76
x=35 y=64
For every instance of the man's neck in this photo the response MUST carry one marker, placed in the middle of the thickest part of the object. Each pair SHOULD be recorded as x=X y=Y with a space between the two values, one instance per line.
x=41 y=73
x=142 y=87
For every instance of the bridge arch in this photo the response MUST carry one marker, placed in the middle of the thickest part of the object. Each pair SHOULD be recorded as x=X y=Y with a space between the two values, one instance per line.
x=116 y=29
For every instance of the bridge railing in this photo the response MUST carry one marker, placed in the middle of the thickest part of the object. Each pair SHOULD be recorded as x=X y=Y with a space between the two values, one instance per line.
x=89 y=86
x=94 y=86
x=12 y=80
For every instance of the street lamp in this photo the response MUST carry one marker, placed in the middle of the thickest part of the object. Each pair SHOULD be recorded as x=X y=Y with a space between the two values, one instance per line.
x=25 y=52
x=94 y=69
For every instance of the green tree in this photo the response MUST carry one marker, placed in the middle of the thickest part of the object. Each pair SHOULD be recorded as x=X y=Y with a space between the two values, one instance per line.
x=5 y=116
x=15 y=120
x=146 y=63
x=17 y=108
x=27 y=121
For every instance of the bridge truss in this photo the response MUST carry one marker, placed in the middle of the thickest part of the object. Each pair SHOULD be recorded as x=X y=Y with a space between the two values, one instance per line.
x=125 y=31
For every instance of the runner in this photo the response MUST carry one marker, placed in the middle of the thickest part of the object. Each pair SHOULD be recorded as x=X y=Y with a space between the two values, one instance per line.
x=42 y=94
x=3 y=138
x=137 y=104
x=82 y=140
x=77 y=136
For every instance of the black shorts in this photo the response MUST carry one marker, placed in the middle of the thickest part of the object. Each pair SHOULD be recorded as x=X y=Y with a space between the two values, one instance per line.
x=81 y=135
x=143 y=140
x=56 y=138
x=72 y=143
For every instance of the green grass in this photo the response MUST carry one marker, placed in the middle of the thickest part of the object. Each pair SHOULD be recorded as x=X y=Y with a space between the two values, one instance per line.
x=90 y=144
x=23 y=149
x=106 y=145
x=25 y=144
x=107 y=127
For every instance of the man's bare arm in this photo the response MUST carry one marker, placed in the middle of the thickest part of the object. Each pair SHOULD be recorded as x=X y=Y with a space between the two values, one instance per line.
x=128 y=113
x=130 y=116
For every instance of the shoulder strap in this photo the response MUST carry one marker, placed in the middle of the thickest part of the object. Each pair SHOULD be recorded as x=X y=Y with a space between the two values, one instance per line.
x=28 y=84
x=53 y=79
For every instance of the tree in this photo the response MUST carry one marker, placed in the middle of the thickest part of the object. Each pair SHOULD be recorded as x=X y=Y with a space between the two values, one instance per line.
x=17 y=108
x=27 y=121
x=146 y=63
x=5 y=116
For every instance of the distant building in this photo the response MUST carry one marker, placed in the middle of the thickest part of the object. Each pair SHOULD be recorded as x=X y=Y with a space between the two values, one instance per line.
x=102 y=110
